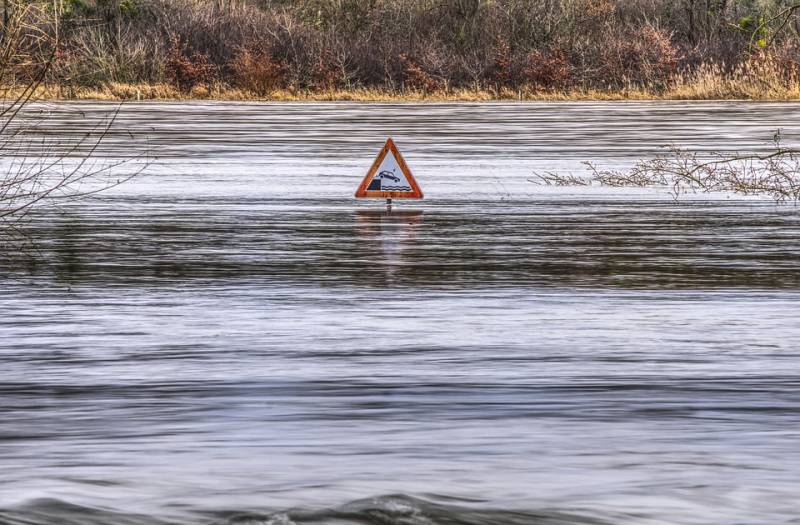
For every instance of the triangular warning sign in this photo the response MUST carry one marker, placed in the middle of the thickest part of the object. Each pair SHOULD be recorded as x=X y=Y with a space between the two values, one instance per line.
x=389 y=177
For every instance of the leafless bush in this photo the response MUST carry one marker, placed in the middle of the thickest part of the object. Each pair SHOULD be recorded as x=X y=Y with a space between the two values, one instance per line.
x=420 y=44
x=415 y=77
x=93 y=57
x=187 y=68
x=549 y=69
x=644 y=57
x=48 y=171
x=775 y=174
x=255 y=69
x=34 y=169
x=550 y=178
x=500 y=72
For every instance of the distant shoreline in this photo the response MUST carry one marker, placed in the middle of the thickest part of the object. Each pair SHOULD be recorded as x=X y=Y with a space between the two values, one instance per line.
x=402 y=51
x=166 y=92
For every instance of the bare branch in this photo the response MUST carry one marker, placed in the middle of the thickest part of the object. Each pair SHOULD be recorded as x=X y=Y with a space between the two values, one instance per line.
x=775 y=174
x=39 y=170
x=785 y=14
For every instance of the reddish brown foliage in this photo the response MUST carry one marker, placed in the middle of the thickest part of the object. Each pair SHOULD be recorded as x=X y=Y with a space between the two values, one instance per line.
x=597 y=9
x=550 y=69
x=256 y=70
x=416 y=78
x=185 y=70
x=323 y=73
x=500 y=71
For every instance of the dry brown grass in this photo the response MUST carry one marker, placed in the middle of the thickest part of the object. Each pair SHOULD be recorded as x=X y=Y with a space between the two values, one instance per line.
x=756 y=79
x=750 y=81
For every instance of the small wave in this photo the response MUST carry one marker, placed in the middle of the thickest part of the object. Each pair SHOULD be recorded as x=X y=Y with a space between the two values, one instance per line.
x=47 y=511
x=383 y=510
x=276 y=519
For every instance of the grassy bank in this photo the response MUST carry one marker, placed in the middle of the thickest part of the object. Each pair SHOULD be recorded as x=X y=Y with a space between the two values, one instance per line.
x=705 y=85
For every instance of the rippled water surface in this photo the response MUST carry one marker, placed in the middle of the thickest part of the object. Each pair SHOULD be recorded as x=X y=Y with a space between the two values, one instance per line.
x=231 y=338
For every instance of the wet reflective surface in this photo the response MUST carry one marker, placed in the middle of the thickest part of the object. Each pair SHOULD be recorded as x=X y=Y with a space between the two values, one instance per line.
x=231 y=338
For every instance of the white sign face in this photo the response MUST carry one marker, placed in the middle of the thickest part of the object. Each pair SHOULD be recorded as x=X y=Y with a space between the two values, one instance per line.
x=389 y=176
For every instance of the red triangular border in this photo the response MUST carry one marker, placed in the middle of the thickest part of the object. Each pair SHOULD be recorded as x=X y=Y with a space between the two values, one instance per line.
x=415 y=193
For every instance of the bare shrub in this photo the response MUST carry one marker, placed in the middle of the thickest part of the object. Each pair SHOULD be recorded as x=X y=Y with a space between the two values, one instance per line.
x=27 y=48
x=549 y=69
x=186 y=69
x=422 y=45
x=91 y=58
x=324 y=74
x=646 y=57
x=775 y=174
x=596 y=9
x=36 y=166
x=415 y=78
x=54 y=170
x=254 y=69
x=500 y=72
x=551 y=178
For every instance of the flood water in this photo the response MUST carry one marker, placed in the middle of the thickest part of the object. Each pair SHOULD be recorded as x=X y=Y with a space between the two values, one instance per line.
x=232 y=338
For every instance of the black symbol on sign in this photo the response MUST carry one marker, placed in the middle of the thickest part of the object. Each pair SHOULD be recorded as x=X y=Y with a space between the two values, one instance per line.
x=389 y=175
x=377 y=182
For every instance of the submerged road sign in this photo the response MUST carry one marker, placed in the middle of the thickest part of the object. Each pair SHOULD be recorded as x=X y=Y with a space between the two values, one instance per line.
x=389 y=177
